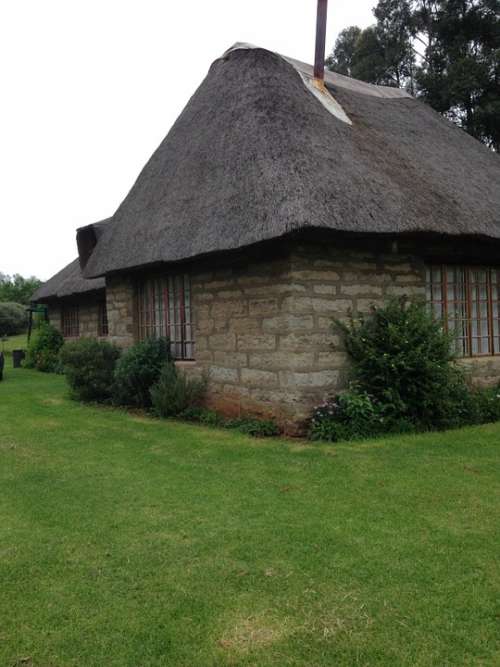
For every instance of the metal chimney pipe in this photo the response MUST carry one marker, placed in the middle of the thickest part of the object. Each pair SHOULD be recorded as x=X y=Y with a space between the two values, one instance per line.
x=319 y=59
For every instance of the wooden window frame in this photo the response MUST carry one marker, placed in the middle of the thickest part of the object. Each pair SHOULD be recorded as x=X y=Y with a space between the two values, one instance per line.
x=480 y=333
x=102 y=319
x=163 y=308
x=70 y=320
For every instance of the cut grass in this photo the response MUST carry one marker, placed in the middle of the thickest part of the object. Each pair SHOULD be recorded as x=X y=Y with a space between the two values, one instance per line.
x=19 y=342
x=127 y=541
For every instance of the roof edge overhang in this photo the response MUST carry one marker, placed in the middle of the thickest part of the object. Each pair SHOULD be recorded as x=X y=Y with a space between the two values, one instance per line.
x=433 y=245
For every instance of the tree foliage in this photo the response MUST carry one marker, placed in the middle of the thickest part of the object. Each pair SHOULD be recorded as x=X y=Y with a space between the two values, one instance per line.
x=445 y=51
x=17 y=289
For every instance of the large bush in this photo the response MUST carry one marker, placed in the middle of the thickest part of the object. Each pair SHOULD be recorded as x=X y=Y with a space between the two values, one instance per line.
x=138 y=369
x=13 y=319
x=404 y=360
x=404 y=379
x=175 y=392
x=43 y=349
x=89 y=367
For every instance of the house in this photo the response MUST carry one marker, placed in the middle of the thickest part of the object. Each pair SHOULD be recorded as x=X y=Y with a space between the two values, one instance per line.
x=75 y=305
x=277 y=202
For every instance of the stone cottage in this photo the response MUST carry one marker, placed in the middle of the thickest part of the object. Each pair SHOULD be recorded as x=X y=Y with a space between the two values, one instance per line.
x=277 y=202
x=75 y=305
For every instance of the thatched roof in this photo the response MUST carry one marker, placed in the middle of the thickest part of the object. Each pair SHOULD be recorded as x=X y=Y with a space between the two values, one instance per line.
x=67 y=282
x=255 y=156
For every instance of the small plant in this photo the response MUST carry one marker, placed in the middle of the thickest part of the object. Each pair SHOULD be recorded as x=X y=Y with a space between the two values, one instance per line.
x=89 y=367
x=175 y=392
x=43 y=349
x=258 y=428
x=138 y=369
x=202 y=416
x=354 y=415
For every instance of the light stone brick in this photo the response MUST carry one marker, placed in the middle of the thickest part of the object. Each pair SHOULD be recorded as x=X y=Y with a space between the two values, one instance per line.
x=295 y=342
x=361 y=289
x=316 y=379
x=302 y=274
x=258 y=378
x=221 y=374
x=325 y=289
x=231 y=359
x=284 y=323
x=256 y=342
x=225 y=309
x=261 y=307
x=281 y=360
x=226 y=341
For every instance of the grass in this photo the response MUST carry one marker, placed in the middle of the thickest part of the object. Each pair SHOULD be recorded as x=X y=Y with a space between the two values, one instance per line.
x=19 y=342
x=126 y=541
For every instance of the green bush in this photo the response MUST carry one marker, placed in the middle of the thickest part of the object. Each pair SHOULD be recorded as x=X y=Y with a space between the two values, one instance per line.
x=404 y=379
x=89 y=367
x=258 y=428
x=202 y=416
x=354 y=415
x=137 y=370
x=175 y=392
x=13 y=318
x=43 y=349
x=403 y=359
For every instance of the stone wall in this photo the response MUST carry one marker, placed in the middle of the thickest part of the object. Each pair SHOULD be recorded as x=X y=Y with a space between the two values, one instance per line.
x=88 y=314
x=120 y=303
x=263 y=321
x=264 y=330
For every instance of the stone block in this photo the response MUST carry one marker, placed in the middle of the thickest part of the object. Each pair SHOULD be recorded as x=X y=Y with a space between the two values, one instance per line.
x=285 y=323
x=256 y=342
x=311 y=380
x=258 y=378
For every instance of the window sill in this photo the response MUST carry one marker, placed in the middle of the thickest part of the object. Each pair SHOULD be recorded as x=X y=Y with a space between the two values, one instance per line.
x=185 y=363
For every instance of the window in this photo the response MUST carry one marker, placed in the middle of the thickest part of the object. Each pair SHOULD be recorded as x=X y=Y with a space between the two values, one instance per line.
x=164 y=309
x=102 y=319
x=70 y=321
x=467 y=299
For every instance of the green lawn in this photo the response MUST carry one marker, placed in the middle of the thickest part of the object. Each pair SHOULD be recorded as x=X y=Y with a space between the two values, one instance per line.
x=19 y=342
x=130 y=542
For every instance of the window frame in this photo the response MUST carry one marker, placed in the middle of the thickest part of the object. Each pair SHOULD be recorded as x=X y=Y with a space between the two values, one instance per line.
x=164 y=308
x=479 y=301
x=102 y=319
x=70 y=320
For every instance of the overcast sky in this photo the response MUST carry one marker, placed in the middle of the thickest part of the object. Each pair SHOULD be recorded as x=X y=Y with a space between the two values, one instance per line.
x=89 y=88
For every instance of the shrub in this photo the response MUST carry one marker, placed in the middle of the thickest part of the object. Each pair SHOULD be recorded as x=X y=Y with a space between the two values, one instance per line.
x=175 y=392
x=89 y=368
x=353 y=415
x=43 y=349
x=405 y=379
x=402 y=358
x=13 y=319
x=202 y=416
x=138 y=369
x=258 y=428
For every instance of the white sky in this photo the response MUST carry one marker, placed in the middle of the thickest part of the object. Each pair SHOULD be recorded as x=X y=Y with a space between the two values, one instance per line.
x=89 y=88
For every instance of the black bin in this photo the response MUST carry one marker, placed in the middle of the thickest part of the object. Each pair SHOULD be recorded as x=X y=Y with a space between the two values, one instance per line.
x=17 y=357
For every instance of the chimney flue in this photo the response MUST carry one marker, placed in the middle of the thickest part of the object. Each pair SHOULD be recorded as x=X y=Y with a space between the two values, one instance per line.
x=319 y=59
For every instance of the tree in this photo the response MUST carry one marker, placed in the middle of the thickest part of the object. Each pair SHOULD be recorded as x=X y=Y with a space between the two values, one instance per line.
x=380 y=54
x=445 y=51
x=460 y=73
x=18 y=289
x=341 y=58
x=394 y=31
